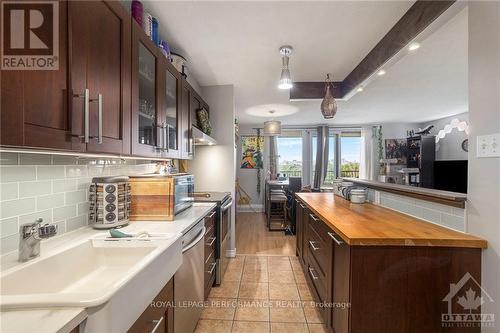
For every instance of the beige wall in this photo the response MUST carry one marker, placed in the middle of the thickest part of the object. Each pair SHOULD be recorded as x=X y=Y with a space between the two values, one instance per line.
x=483 y=211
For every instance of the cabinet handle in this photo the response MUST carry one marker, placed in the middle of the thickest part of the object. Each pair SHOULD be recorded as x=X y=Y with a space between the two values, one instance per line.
x=314 y=277
x=86 y=115
x=157 y=322
x=212 y=269
x=312 y=245
x=167 y=137
x=212 y=241
x=303 y=206
x=314 y=218
x=333 y=236
x=212 y=215
x=99 y=133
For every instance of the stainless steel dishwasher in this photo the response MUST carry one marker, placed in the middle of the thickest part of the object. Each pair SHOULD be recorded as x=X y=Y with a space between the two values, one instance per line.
x=189 y=284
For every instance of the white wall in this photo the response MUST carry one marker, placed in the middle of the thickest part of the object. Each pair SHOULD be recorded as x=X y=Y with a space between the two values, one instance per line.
x=214 y=166
x=483 y=211
x=449 y=148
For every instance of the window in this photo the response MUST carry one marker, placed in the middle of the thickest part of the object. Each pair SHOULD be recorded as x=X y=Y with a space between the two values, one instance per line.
x=331 y=170
x=290 y=156
x=350 y=151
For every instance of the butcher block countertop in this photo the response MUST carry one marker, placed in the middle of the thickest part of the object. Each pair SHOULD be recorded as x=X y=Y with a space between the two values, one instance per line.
x=369 y=224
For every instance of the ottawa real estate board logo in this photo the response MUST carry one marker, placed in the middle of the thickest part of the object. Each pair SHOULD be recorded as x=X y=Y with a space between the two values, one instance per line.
x=464 y=303
x=30 y=35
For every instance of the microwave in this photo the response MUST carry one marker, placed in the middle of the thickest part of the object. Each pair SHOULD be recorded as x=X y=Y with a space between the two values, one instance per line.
x=156 y=197
x=183 y=188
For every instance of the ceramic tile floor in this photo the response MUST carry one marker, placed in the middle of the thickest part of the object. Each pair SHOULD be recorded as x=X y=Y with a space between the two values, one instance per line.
x=261 y=294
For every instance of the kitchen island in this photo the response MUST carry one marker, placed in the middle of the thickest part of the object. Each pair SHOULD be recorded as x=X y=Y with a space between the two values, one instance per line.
x=376 y=270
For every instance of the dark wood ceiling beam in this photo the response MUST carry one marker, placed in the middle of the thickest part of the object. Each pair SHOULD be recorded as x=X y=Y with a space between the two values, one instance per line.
x=413 y=22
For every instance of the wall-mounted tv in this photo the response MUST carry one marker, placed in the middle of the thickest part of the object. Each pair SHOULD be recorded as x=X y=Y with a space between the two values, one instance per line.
x=451 y=175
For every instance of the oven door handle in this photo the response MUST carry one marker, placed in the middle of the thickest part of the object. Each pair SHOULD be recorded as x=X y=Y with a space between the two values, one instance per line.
x=226 y=206
x=195 y=241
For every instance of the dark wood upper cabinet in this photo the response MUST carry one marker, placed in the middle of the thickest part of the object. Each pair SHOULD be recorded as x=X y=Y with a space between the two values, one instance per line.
x=34 y=103
x=148 y=138
x=100 y=64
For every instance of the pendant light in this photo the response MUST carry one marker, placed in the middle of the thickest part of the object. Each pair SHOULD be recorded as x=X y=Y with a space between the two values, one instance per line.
x=272 y=127
x=285 y=79
x=328 y=105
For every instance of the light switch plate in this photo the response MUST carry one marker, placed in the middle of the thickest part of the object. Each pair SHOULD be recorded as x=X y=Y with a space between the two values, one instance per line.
x=488 y=145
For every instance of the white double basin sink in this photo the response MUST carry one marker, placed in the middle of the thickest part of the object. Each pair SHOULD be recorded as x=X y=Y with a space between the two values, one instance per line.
x=107 y=277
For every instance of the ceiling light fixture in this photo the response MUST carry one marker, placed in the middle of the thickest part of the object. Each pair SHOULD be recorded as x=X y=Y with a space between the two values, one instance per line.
x=381 y=72
x=328 y=105
x=360 y=89
x=272 y=127
x=285 y=79
x=413 y=46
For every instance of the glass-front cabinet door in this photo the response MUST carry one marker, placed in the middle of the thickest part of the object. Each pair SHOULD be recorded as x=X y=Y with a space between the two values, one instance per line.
x=171 y=120
x=146 y=134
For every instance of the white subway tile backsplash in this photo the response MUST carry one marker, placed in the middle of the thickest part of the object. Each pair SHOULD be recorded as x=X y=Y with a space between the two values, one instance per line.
x=50 y=172
x=50 y=201
x=76 y=171
x=76 y=197
x=17 y=173
x=9 y=243
x=9 y=191
x=9 y=158
x=64 y=160
x=62 y=213
x=35 y=159
x=64 y=185
x=16 y=207
x=443 y=215
x=9 y=226
x=76 y=222
x=45 y=215
x=53 y=187
x=31 y=189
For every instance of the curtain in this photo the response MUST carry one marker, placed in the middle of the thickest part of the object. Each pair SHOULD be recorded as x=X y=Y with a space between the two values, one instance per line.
x=273 y=155
x=321 y=166
x=367 y=166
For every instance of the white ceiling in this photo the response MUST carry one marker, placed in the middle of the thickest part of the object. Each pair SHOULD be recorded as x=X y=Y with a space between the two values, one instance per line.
x=237 y=43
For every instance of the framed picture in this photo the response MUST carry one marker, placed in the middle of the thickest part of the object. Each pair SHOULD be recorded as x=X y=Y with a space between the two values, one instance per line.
x=396 y=149
x=251 y=152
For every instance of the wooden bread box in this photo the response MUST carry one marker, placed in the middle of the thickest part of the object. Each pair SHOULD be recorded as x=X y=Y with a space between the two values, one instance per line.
x=152 y=198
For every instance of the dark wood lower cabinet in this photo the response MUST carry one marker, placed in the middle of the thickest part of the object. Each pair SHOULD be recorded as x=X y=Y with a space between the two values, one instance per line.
x=160 y=318
x=384 y=289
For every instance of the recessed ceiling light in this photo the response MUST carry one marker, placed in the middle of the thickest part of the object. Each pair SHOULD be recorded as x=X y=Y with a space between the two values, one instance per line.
x=381 y=72
x=360 y=89
x=413 y=46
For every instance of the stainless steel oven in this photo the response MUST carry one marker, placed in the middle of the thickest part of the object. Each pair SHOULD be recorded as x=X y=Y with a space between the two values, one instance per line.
x=183 y=192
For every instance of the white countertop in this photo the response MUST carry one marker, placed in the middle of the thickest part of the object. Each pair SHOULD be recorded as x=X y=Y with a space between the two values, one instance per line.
x=65 y=319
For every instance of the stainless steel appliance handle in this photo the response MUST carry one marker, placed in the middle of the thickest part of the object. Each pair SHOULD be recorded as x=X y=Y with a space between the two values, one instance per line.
x=185 y=182
x=333 y=236
x=226 y=206
x=212 y=269
x=158 y=322
x=195 y=241
x=314 y=277
x=312 y=245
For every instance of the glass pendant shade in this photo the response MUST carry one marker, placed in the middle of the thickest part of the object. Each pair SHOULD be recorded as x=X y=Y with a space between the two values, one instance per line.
x=272 y=128
x=328 y=105
x=285 y=79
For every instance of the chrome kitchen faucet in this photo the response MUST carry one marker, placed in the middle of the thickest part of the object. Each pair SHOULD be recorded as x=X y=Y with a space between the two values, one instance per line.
x=30 y=235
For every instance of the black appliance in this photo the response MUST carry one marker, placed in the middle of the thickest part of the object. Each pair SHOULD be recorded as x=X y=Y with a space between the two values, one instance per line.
x=451 y=175
x=421 y=156
x=224 y=203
